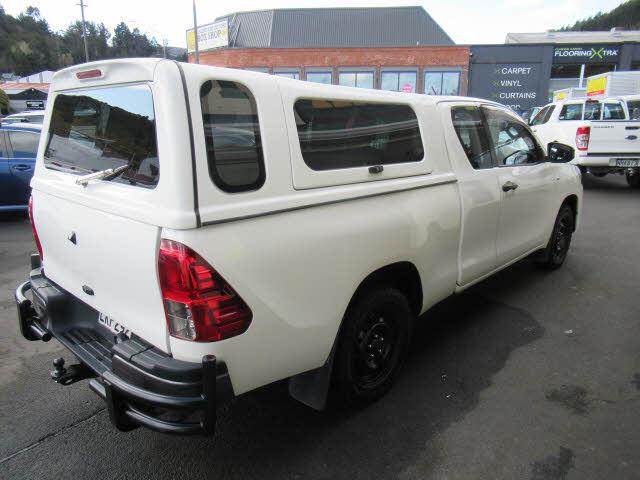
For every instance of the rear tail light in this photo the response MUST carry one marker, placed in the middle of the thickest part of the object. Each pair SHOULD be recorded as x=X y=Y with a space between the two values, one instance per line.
x=33 y=228
x=199 y=304
x=582 y=138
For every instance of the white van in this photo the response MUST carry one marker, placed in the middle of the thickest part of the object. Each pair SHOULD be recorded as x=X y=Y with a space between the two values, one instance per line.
x=205 y=231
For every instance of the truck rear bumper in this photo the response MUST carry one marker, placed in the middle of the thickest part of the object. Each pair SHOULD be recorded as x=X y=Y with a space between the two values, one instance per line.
x=141 y=385
x=612 y=161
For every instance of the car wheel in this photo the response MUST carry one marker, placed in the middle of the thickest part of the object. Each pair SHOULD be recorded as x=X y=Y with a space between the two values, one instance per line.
x=633 y=180
x=372 y=346
x=554 y=254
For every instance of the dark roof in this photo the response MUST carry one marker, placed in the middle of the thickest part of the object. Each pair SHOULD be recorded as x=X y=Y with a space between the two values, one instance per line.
x=335 y=27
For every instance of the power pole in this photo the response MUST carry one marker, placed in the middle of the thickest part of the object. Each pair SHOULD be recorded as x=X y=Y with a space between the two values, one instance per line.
x=195 y=31
x=84 y=30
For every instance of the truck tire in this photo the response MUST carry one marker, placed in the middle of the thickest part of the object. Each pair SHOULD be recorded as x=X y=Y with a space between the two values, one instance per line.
x=633 y=180
x=372 y=347
x=553 y=256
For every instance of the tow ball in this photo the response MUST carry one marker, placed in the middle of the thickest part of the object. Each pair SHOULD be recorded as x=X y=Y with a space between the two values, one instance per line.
x=72 y=374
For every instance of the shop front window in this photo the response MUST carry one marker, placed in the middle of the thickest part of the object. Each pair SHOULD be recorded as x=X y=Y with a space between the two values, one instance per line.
x=441 y=83
x=399 y=81
x=356 y=79
x=319 y=77
x=287 y=74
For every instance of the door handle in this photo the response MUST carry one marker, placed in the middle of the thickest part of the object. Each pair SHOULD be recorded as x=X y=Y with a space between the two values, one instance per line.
x=509 y=186
x=21 y=167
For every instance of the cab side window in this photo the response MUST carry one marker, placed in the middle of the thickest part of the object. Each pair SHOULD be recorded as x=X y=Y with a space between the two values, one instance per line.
x=592 y=110
x=512 y=143
x=612 y=111
x=548 y=113
x=571 y=111
x=467 y=122
x=542 y=116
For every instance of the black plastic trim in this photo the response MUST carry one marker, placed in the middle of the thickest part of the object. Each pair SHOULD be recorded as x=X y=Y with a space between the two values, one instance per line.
x=196 y=204
x=138 y=391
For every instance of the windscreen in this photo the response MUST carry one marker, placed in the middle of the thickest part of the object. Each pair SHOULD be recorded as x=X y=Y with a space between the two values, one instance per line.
x=95 y=129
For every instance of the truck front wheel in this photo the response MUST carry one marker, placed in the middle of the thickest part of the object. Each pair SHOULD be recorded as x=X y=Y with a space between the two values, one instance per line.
x=372 y=346
x=634 y=180
x=553 y=255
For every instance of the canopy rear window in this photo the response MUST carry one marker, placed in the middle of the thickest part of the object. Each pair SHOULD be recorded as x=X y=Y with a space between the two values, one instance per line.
x=95 y=129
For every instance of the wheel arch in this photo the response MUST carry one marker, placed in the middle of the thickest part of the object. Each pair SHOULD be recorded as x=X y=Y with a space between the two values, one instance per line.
x=572 y=201
x=403 y=276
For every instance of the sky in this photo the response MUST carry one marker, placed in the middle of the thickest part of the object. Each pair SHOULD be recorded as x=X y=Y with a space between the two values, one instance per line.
x=466 y=21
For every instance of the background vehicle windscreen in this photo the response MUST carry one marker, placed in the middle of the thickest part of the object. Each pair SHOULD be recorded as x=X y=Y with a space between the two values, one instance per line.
x=95 y=129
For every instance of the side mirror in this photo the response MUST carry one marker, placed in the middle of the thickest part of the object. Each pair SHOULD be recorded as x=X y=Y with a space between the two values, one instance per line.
x=559 y=153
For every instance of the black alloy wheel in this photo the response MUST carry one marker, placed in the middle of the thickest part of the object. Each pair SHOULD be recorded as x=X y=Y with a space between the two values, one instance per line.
x=556 y=252
x=372 y=346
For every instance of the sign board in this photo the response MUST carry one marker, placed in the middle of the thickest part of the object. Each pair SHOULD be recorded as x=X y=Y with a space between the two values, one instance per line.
x=586 y=54
x=558 y=96
x=213 y=35
x=35 y=104
x=513 y=84
x=596 y=86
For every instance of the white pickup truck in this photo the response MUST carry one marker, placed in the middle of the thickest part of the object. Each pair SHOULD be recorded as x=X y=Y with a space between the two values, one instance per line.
x=205 y=231
x=604 y=139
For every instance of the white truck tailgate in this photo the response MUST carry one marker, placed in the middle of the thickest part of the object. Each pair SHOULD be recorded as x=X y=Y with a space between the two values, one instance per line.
x=107 y=261
x=615 y=137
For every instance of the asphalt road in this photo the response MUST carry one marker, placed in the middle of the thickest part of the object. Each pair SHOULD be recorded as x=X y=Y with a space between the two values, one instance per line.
x=529 y=375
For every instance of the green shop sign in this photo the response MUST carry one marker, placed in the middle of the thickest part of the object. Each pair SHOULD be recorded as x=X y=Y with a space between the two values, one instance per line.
x=586 y=54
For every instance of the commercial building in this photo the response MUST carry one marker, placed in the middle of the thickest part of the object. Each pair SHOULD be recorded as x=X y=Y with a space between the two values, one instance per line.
x=526 y=70
x=397 y=48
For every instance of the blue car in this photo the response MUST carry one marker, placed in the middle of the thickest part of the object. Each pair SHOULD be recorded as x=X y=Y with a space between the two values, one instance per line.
x=18 y=149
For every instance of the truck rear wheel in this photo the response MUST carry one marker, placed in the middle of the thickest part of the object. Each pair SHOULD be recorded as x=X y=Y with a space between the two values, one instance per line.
x=633 y=180
x=554 y=254
x=372 y=346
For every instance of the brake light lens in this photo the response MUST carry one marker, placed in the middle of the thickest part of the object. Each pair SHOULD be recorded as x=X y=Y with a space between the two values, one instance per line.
x=582 y=138
x=95 y=73
x=33 y=228
x=199 y=304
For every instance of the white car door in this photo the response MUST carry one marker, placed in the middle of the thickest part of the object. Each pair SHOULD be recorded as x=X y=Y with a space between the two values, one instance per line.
x=527 y=182
x=469 y=151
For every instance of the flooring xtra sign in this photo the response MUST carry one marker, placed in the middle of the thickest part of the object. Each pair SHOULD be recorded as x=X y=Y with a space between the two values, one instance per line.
x=586 y=54
x=210 y=36
x=512 y=84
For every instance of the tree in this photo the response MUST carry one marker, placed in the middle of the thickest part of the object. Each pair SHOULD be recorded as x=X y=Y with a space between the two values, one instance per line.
x=4 y=99
x=132 y=43
x=626 y=15
x=28 y=45
x=72 y=44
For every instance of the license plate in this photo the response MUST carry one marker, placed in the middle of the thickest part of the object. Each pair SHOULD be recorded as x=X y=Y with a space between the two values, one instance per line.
x=627 y=162
x=112 y=325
